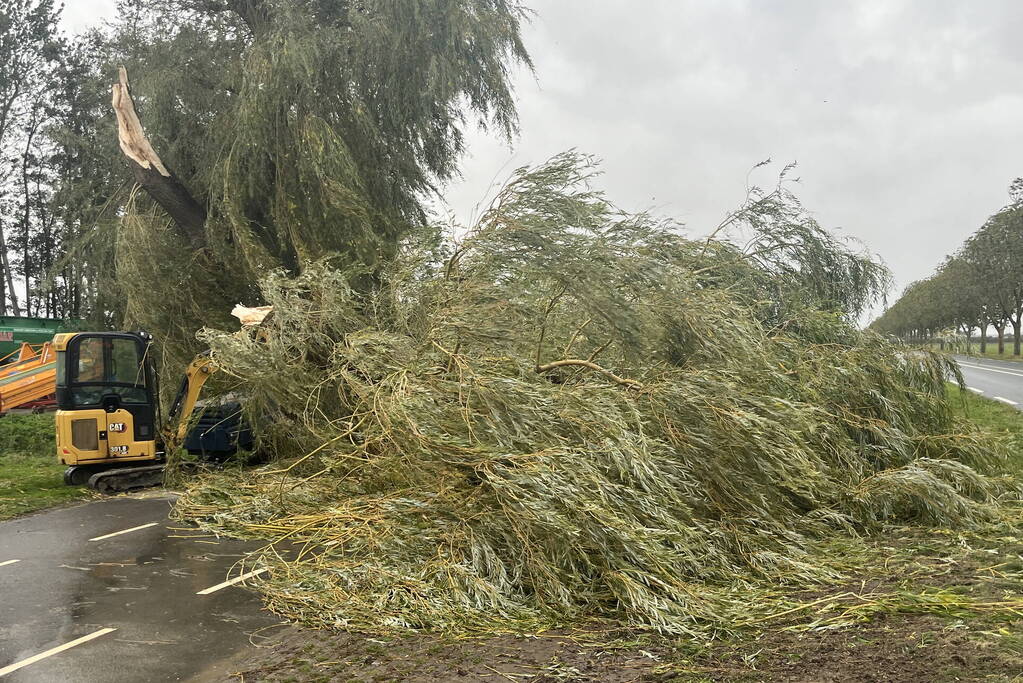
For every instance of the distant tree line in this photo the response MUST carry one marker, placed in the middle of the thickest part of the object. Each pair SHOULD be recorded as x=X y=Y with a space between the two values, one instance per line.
x=977 y=289
x=40 y=76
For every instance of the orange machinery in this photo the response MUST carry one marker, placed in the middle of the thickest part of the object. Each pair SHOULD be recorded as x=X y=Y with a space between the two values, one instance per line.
x=28 y=377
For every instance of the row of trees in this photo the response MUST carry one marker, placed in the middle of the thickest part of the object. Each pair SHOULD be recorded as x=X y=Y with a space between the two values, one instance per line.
x=49 y=97
x=977 y=289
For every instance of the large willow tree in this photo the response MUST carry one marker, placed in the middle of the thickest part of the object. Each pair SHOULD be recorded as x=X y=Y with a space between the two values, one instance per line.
x=264 y=133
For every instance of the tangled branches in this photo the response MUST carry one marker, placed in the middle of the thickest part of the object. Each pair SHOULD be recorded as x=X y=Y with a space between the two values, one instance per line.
x=576 y=412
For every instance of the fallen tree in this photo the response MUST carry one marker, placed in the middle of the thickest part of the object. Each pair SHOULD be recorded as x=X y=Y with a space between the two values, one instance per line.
x=573 y=412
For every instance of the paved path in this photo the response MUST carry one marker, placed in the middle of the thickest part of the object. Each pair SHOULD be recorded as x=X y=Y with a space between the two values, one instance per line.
x=997 y=379
x=109 y=591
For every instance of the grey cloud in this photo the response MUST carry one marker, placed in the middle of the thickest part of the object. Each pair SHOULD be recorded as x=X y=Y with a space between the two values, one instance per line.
x=903 y=116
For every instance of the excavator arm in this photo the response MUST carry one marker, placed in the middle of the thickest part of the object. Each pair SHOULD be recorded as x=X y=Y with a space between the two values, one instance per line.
x=198 y=371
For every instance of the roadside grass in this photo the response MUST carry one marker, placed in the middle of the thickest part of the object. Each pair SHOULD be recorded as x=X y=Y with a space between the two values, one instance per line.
x=30 y=477
x=974 y=350
x=992 y=352
x=994 y=417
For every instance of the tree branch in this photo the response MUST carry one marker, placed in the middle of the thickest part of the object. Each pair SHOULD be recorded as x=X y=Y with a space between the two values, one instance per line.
x=630 y=383
x=543 y=327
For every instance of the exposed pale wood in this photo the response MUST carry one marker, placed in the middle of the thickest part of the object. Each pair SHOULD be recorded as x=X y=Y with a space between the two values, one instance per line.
x=134 y=143
x=150 y=172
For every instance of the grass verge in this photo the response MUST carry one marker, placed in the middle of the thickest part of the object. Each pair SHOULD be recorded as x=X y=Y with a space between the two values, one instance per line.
x=30 y=477
x=992 y=353
x=994 y=417
x=974 y=351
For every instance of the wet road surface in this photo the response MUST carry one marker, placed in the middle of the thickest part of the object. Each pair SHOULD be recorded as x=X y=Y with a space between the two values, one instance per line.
x=1000 y=380
x=132 y=598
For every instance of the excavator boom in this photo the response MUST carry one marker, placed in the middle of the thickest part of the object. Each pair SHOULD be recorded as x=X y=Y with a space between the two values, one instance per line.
x=196 y=374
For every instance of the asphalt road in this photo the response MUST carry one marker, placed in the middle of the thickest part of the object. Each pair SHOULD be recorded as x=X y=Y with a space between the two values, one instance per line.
x=1000 y=380
x=79 y=605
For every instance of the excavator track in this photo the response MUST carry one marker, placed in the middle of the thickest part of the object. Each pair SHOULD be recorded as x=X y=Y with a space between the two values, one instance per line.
x=126 y=479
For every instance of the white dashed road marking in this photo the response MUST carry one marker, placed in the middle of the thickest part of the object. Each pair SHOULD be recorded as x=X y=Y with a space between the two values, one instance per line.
x=49 y=653
x=4 y=564
x=125 y=531
x=975 y=390
x=1005 y=400
x=214 y=589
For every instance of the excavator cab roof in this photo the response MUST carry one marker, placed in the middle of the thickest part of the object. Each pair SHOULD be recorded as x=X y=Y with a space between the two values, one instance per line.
x=60 y=341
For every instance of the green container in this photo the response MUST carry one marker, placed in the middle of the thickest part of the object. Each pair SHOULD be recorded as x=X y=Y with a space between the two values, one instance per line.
x=15 y=331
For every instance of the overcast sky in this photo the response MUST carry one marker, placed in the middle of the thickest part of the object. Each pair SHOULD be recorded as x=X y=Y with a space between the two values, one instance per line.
x=903 y=115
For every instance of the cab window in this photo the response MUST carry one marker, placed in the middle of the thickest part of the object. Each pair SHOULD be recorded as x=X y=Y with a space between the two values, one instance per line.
x=125 y=366
x=90 y=360
x=61 y=368
x=108 y=366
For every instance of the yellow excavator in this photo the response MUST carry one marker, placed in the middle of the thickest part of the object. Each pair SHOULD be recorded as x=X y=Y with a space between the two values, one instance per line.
x=109 y=429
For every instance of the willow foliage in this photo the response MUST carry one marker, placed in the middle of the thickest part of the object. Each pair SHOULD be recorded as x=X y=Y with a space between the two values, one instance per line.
x=303 y=128
x=575 y=412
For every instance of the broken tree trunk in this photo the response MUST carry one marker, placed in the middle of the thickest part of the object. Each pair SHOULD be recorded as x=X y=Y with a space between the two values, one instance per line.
x=150 y=172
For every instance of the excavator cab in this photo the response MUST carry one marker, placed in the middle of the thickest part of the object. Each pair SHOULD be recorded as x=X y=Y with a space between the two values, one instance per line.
x=107 y=410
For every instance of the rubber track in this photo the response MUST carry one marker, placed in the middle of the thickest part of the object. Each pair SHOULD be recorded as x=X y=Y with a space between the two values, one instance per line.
x=126 y=479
